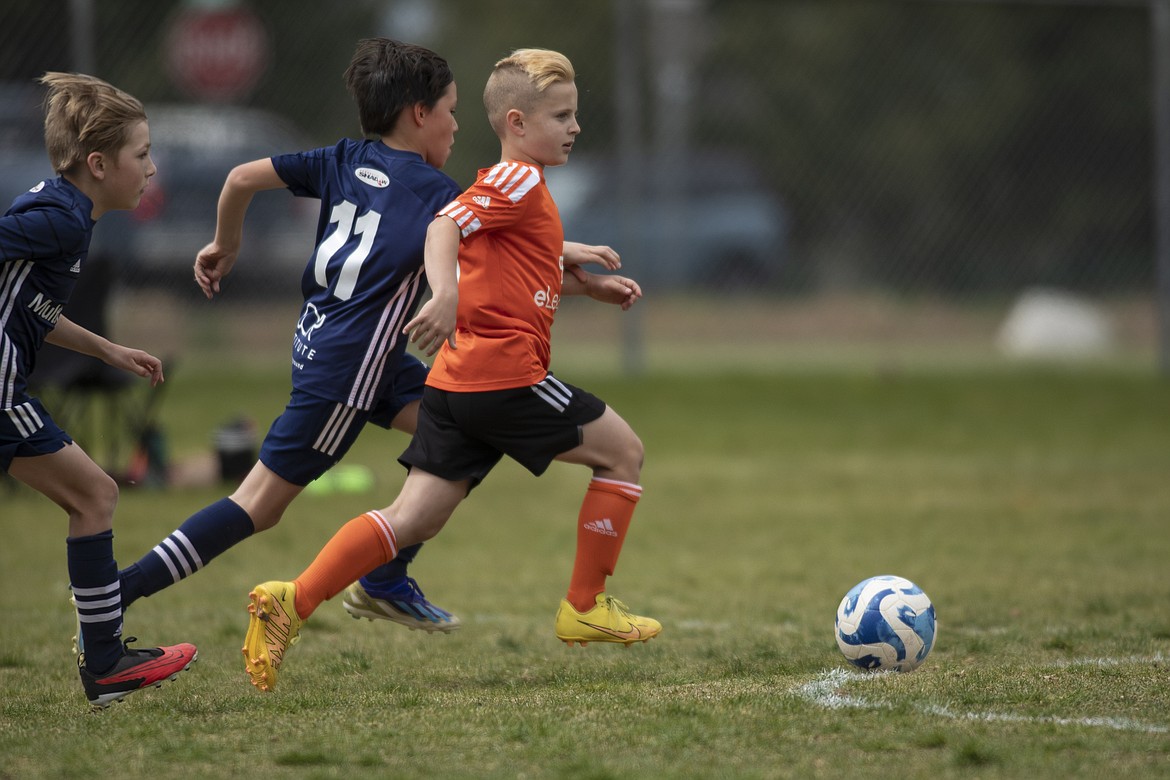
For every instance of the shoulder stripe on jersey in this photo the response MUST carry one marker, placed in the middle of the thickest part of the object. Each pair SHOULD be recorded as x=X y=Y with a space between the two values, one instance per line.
x=513 y=179
x=499 y=173
x=383 y=342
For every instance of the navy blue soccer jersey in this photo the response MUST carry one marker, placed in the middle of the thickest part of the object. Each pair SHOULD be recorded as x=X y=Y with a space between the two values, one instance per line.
x=365 y=277
x=44 y=240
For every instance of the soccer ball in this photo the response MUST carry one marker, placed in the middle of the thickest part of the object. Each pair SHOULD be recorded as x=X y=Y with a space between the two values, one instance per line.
x=885 y=623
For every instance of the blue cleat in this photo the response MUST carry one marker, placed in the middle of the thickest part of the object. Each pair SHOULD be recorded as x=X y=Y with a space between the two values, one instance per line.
x=402 y=603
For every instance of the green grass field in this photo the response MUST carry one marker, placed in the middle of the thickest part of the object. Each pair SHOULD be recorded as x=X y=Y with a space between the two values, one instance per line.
x=1031 y=505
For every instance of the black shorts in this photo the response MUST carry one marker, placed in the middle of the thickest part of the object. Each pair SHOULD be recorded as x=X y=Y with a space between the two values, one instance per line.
x=464 y=435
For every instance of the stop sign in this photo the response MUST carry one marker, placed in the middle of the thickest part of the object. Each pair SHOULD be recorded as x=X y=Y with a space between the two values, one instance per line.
x=217 y=54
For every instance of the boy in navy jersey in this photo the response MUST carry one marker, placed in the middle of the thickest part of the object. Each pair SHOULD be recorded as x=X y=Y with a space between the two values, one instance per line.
x=99 y=142
x=361 y=284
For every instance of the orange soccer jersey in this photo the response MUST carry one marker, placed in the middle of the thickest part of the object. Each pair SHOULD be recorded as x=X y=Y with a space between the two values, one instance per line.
x=509 y=281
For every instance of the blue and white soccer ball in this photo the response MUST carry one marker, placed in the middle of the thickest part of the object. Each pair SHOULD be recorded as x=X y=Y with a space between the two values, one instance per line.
x=885 y=623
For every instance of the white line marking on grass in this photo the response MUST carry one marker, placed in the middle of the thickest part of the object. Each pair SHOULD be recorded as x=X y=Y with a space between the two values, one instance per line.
x=1156 y=658
x=825 y=692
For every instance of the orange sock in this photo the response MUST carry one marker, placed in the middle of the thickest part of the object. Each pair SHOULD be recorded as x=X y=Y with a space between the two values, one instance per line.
x=601 y=529
x=362 y=544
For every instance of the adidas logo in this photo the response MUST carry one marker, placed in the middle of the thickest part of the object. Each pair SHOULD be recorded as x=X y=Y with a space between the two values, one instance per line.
x=603 y=526
x=482 y=200
x=76 y=269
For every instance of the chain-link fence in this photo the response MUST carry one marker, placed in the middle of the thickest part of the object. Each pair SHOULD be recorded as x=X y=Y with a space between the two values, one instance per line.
x=904 y=156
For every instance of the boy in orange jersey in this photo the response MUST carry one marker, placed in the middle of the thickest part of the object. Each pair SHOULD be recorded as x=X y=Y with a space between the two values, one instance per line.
x=495 y=266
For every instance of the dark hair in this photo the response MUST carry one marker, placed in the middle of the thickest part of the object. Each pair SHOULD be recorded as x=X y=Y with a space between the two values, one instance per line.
x=386 y=76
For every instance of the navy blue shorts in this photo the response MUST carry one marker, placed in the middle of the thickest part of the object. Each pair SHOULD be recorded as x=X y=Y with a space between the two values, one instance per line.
x=312 y=434
x=27 y=430
x=464 y=435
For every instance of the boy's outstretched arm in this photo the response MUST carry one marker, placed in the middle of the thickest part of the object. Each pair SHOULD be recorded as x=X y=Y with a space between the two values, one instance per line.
x=435 y=321
x=606 y=288
x=215 y=260
x=68 y=334
x=575 y=253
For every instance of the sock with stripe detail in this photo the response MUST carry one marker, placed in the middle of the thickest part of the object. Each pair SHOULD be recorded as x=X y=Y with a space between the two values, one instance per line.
x=601 y=529
x=209 y=532
x=93 y=578
x=365 y=542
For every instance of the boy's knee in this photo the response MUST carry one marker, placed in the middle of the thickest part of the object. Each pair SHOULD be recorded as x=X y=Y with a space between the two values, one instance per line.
x=630 y=457
x=635 y=458
x=104 y=497
x=94 y=509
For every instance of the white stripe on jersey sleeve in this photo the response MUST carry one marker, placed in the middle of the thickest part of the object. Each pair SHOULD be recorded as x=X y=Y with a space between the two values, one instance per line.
x=464 y=217
x=511 y=179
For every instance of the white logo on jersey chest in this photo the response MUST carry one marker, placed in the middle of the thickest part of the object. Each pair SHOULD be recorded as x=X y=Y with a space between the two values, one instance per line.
x=372 y=177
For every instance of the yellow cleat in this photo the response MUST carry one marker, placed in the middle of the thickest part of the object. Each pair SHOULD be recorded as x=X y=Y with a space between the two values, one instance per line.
x=273 y=626
x=609 y=621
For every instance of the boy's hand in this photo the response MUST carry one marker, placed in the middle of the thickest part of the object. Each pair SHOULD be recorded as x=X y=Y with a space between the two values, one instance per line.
x=434 y=324
x=574 y=253
x=212 y=264
x=613 y=289
x=136 y=362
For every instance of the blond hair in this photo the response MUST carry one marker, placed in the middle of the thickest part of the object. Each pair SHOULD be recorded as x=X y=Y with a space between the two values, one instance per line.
x=519 y=79
x=84 y=114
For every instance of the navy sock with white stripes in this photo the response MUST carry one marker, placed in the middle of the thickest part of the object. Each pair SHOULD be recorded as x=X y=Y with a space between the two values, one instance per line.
x=389 y=573
x=93 y=578
x=204 y=535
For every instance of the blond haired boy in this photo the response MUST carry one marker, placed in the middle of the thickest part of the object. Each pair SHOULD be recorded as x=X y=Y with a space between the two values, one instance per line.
x=494 y=258
x=98 y=142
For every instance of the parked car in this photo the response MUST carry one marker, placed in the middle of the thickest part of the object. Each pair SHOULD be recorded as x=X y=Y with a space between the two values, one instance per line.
x=194 y=147
x=702 y=221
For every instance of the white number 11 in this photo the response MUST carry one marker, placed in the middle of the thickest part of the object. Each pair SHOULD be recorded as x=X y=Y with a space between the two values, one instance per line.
x=365 y=226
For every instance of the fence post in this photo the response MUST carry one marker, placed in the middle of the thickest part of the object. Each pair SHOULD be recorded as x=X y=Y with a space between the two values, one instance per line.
x=81 y=36
x=1160 y=47
x=629 y=100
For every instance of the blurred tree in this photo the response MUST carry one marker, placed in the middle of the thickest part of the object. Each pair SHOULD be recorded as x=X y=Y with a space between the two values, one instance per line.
x=29 y=48
x=961 y=139
x=921 y=146
x=475 y=34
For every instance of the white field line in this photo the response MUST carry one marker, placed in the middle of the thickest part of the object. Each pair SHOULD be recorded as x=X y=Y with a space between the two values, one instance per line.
x=824 y=692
